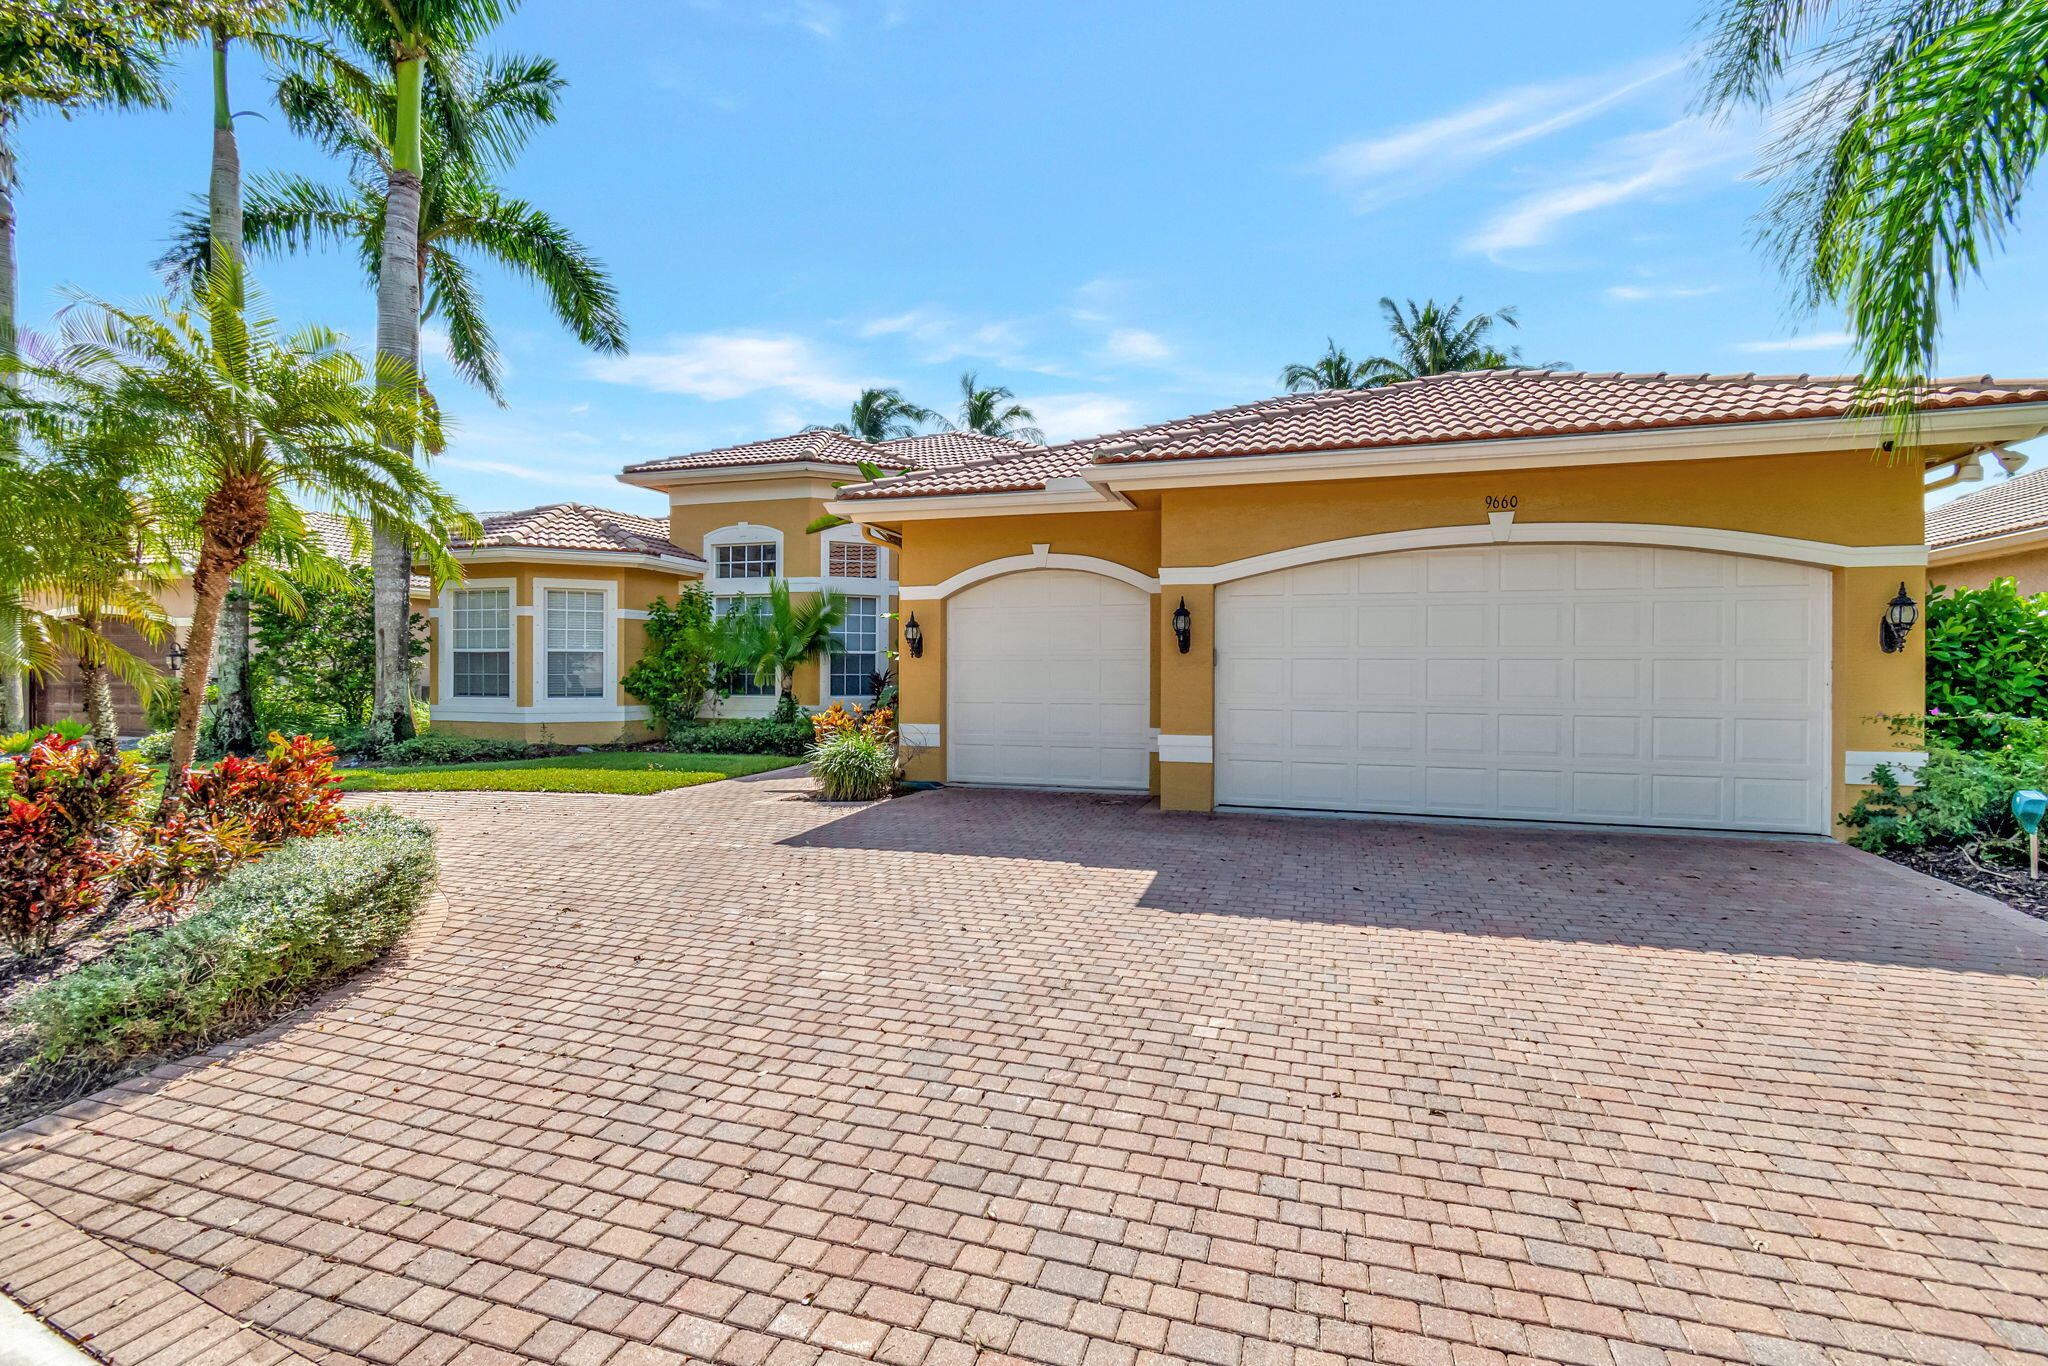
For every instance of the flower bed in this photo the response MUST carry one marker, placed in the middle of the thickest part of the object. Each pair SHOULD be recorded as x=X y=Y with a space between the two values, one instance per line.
x=136 y=933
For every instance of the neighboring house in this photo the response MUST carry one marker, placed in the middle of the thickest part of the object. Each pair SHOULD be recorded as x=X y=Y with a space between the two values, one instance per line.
x=1621 y=599
x=1996 y=533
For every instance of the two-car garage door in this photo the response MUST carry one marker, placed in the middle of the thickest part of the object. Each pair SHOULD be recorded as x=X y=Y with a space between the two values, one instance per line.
x=1610 y=684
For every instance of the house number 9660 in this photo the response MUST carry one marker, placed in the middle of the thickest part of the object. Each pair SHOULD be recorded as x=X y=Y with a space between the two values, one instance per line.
x=1499 y=502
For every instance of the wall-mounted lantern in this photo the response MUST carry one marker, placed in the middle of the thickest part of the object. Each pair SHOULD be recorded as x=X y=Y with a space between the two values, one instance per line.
x=175 y=657
x=1899 y=616
x=913 y=636
x=1183 y=625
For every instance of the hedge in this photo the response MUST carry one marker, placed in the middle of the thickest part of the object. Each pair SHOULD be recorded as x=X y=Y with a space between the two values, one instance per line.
x=302 y=915
x=792 y=738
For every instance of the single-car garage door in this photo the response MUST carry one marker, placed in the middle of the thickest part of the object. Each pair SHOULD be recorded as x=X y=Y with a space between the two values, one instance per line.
x=1048 y=682
x=1610 y=684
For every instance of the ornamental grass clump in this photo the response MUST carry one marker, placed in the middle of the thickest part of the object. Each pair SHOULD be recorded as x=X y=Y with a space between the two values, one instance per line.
x=853 y=767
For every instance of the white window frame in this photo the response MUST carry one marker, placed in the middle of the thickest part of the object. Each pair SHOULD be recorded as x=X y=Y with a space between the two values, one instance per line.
x=444 y=652
x=743 y=533
x=882 y=585
x=542 y=703
x=880 y=652
x=543 y=625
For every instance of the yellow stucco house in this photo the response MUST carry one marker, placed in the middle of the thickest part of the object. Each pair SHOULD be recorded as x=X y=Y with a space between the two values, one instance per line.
x=1649 y=599
x=532 y=643
x=1996 y=533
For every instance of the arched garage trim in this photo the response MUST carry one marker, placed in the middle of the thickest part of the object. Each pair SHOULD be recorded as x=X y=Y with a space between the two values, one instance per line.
x=1503 y=531
x=1041 y=557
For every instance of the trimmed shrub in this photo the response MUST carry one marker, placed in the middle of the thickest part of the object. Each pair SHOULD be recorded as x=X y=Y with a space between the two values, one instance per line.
x=852 y=767
x=308 y=912
x=742 y=737
x=440 y=747
x=1987 y=656
x=154 y=748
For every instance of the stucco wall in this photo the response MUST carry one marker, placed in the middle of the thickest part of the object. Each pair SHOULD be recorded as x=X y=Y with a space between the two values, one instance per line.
x=2028 y=567
x=1844 y=498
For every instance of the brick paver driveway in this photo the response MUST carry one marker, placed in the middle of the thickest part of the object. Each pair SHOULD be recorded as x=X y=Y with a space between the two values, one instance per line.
x=731 y=1075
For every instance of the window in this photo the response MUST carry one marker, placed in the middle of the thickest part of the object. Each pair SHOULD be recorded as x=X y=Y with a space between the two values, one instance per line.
x=575 y=642
x=735 y=681
x=746 y=561
x=854 y=560
x=856 y=656
x=482 y=643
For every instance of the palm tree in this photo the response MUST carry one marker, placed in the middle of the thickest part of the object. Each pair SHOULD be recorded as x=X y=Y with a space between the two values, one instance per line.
x=1430 y=339
x=869 y=473
x=213 y=398
x=883 y=415
x=1916 y=128
x=412 y=44
x=778 y=635
x=992 y=411
x=1334 y=369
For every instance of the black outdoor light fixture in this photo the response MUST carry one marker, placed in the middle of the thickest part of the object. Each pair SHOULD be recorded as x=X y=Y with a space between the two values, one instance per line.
x=913 y=636
x=175 y=656
x=1899 y=616
x=1183 y=625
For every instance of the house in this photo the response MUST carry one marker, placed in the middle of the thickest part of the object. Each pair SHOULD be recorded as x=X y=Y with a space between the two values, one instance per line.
x=2000 y=532
x=1641 y=599
x=534 y=640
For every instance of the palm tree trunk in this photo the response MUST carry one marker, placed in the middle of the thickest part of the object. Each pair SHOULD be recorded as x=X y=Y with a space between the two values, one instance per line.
x=209 y=588
x=13 y=679
x=99 y=693
x=234 y=706
x=234 y=714
x=398 y=341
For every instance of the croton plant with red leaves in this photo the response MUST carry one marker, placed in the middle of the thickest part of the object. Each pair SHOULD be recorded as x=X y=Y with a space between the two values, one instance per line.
x=58 y=837
x=289 y=792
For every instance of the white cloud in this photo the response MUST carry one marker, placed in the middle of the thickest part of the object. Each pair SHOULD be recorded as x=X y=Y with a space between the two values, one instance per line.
x=937 y=336
x=1378 y=170
x=1818 y=341
x=1638 y=293
x=538 y=474
x=728 y=365
x=1068 y=417
x=1134 y=346
x=819 y=18
x=1663 y=159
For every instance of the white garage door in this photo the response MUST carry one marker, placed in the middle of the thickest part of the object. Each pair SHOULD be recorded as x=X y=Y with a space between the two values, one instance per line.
x=1048 y=683
x=1610 y=684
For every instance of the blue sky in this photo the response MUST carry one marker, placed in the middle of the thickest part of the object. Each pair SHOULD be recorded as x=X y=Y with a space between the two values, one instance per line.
x=1124 y=211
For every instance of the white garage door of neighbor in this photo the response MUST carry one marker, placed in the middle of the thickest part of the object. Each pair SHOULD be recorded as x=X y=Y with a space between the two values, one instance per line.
x=1610 y=684
x=1048 y=682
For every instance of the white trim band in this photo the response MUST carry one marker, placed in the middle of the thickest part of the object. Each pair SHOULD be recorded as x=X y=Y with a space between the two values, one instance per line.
x=1187 y=749
x=1718 y=539
x=1041 y=557
x=1905 y=765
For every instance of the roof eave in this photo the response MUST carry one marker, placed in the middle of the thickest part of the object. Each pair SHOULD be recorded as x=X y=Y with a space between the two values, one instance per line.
x=758 y=469
x=1065 y=494
x=630 y=559
x=1992 y=423
x=1984 y=547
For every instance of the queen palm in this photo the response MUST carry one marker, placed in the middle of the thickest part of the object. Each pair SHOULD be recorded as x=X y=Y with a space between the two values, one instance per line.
x=883 y=415
x=1334 y=369
x=213 y=398
x=994 y=411
x=1916 y=128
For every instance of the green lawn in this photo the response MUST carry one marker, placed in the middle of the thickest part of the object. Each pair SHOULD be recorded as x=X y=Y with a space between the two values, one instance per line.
x=637 y=773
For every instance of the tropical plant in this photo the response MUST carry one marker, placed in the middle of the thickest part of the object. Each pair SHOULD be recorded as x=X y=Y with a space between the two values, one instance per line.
x=675 y=671
x=240 y=414
x=869 y=473
x=1987 y=656
x=1334 y=369
x=1915 y=129
x=994 y=412
x=23 y=740
x=852 y=767
x=315 y=661
x=776 y=635
x=883 y=415
x=57 y=833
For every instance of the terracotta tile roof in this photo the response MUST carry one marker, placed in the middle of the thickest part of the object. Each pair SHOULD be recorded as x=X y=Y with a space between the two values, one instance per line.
x=941 y=450
x=2016 y=505
x=821 y=446
x=334 y=535
x=1476 y=405
x=575 y=526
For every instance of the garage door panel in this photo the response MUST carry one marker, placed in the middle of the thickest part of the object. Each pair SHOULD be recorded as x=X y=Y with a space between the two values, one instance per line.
x=1634 y=685
x=1049 y=683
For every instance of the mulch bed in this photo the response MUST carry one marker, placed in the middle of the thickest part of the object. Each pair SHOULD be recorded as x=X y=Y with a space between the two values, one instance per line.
x=2010 y=885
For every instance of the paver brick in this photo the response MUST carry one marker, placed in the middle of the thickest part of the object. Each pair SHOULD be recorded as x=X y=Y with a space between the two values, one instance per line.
x=982 y=1077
